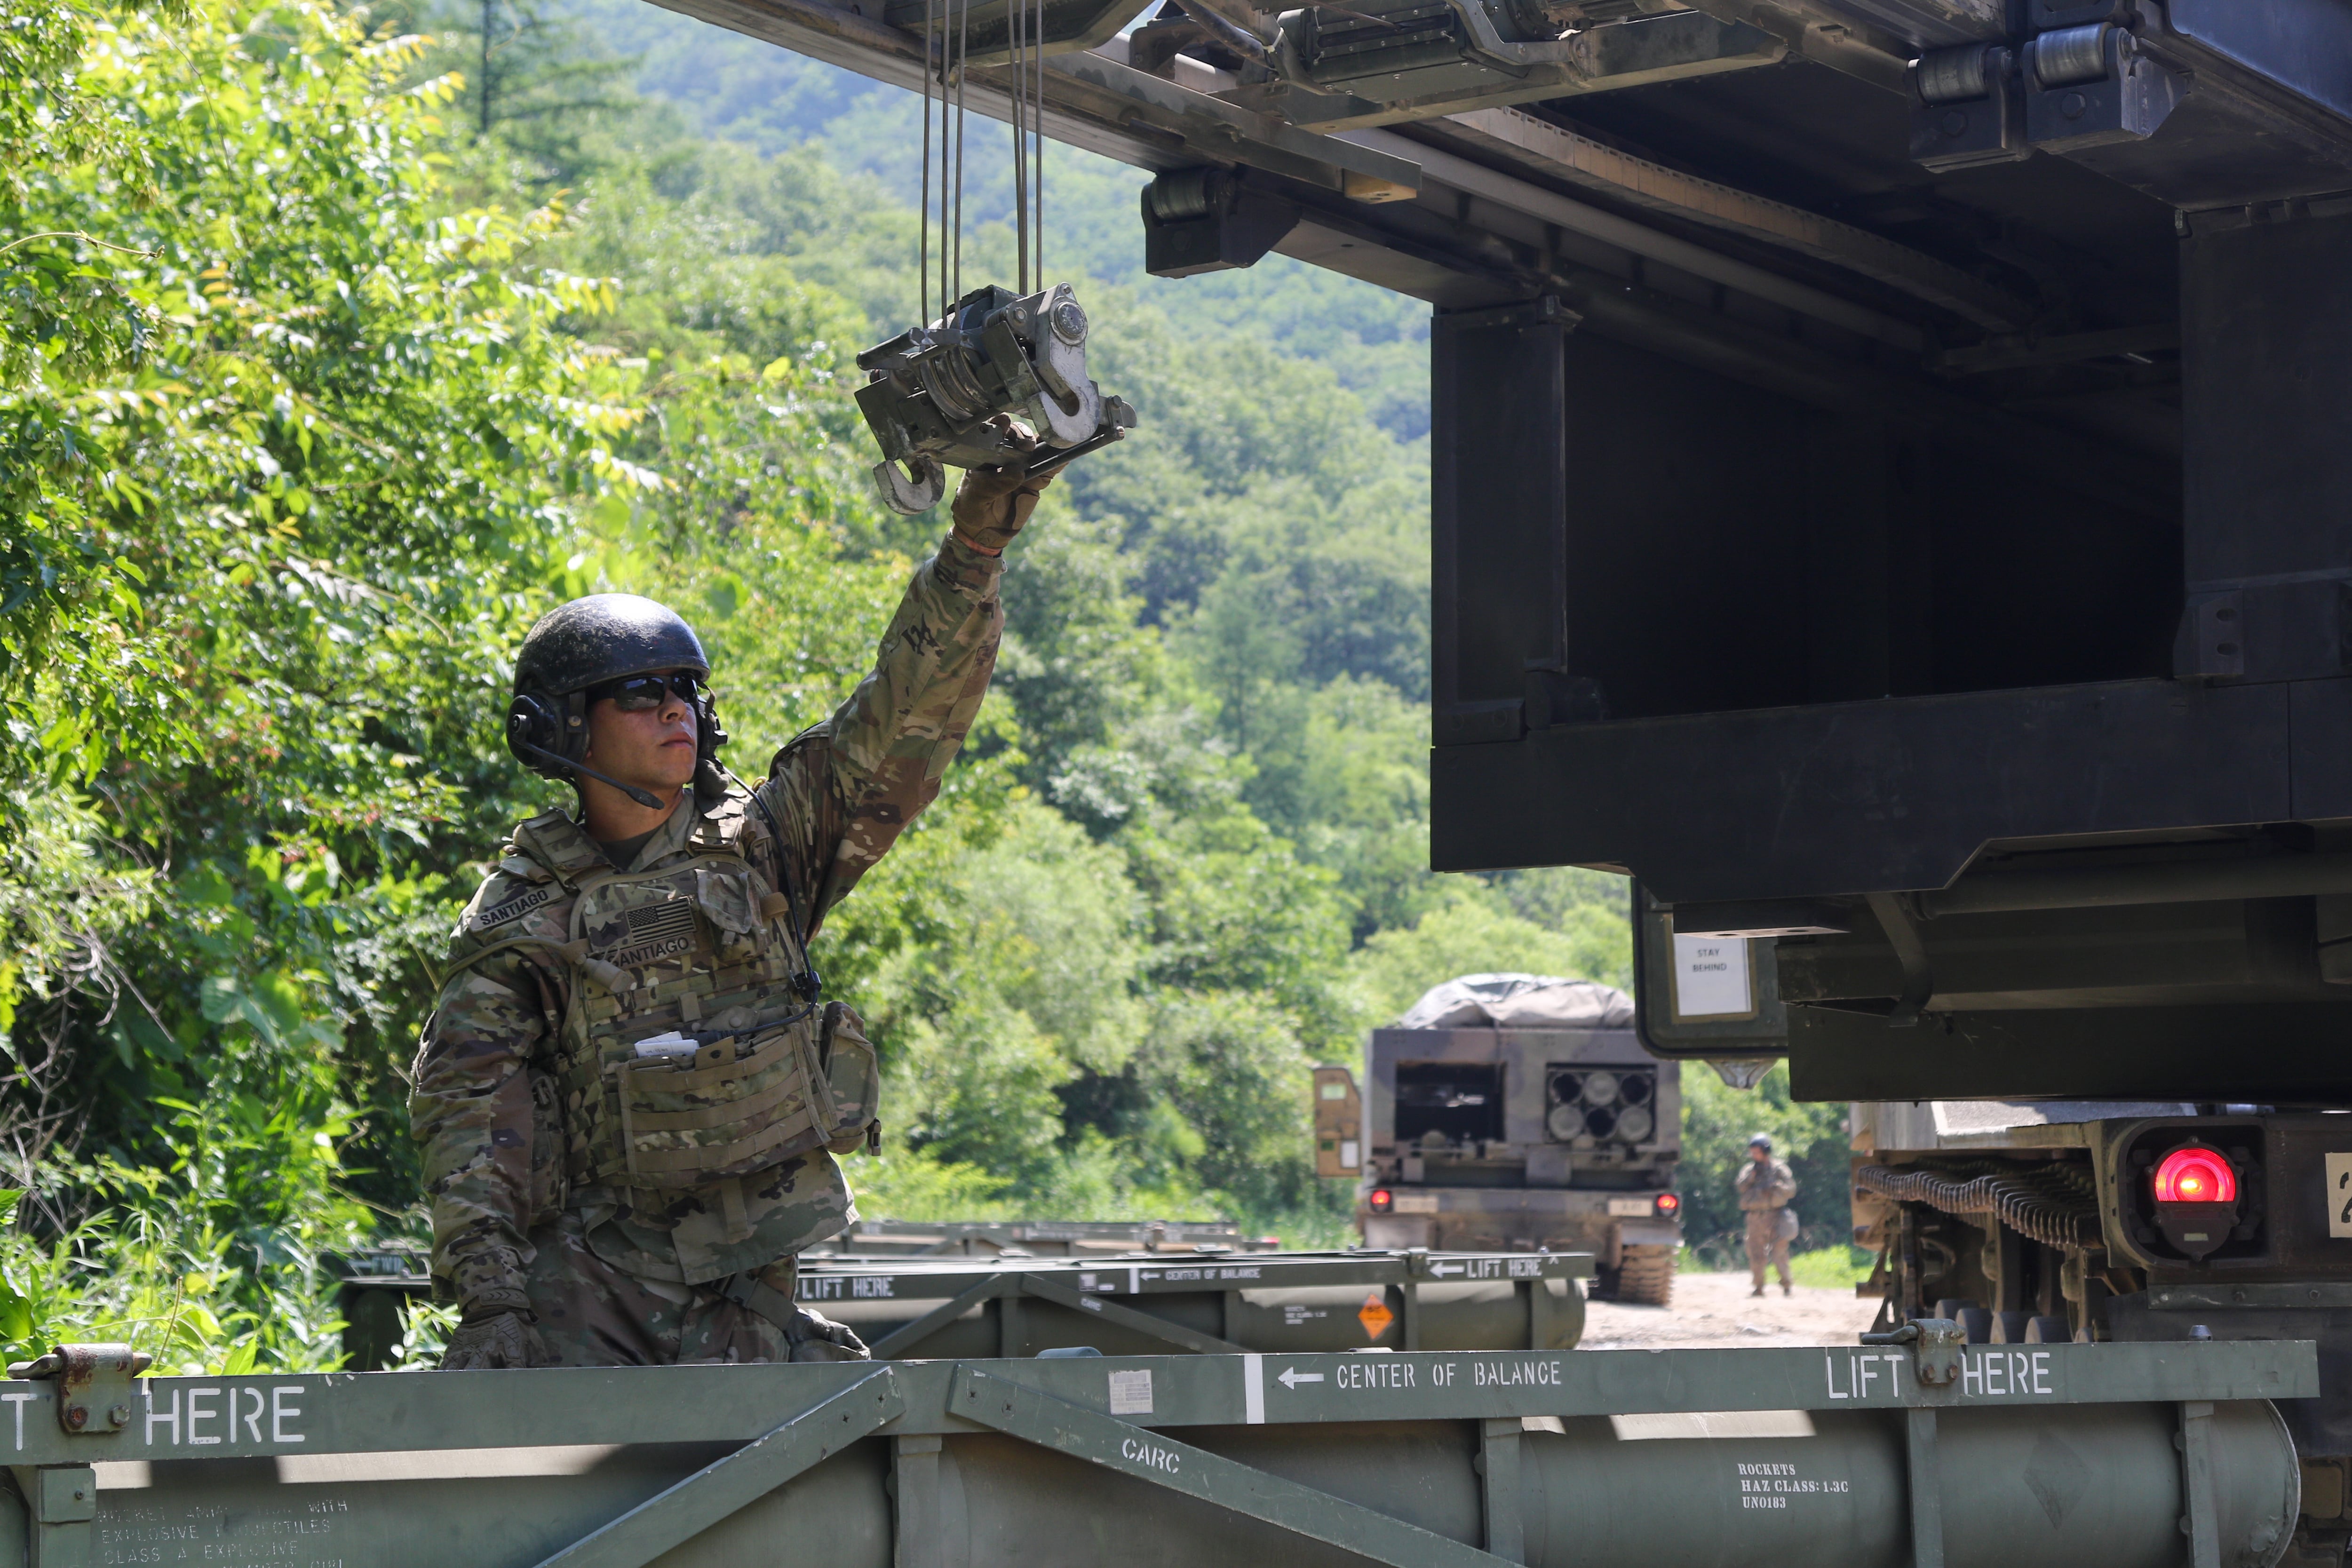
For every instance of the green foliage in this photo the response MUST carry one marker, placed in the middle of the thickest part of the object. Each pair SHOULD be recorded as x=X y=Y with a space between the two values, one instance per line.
x=523 y=72
x=1475 y=932
x=313 y=400
x=266 y=557
x=1832 y=1268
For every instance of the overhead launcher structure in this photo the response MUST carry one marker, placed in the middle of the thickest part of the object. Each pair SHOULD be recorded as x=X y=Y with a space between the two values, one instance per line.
x=1887 y=476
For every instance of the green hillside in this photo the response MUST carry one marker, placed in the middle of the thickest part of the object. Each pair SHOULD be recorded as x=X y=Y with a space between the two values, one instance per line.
x=317 y=394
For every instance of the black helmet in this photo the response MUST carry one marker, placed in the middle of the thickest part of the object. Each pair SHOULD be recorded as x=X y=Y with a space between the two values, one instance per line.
x=591 y=640
x=602 y=637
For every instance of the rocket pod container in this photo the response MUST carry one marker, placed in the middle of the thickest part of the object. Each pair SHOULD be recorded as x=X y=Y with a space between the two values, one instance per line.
x=2128 y=1456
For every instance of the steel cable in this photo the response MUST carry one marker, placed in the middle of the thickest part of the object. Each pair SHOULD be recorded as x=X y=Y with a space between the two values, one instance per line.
x=923 y=206
x=963 y=65
x=1015 y=16
x=1037 y=156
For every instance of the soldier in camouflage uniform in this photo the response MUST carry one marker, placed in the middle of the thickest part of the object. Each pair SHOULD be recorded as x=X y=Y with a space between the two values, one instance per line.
x=1765 y=1187
x=628 y=1095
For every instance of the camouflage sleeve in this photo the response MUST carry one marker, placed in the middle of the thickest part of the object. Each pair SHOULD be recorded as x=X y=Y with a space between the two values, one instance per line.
x=471 y=1109
x=841 y=792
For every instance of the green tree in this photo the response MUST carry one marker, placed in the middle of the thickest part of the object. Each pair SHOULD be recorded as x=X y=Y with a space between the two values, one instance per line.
x=527 y=75
x=300 y=452
x=313 y=403
x=1471 y=935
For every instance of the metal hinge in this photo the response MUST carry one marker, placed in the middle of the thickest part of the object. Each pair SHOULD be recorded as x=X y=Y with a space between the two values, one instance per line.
x=94 y=1391
x=1938 y=1343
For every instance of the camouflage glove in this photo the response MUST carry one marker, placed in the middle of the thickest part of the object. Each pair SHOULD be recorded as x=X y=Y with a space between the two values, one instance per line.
x=815 y=1337
x=500 y=1339
x=992 y=505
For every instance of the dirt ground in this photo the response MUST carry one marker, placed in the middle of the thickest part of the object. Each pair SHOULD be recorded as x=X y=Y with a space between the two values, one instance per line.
x=1714 y=1310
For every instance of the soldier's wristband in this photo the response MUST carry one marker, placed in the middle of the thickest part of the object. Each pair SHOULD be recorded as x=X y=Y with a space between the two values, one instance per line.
x=490 y=1303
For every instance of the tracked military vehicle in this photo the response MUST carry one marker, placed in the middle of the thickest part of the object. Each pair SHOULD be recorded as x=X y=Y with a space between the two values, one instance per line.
x=1515 y=1112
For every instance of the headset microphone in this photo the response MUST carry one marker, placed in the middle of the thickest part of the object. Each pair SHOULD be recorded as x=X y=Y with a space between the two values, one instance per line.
x=643 y=797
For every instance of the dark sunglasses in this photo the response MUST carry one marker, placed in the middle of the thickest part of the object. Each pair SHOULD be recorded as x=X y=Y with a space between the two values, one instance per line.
x=638 y=693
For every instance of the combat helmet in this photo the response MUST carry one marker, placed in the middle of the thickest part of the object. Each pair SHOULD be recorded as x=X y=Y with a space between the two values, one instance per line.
x=583 y=644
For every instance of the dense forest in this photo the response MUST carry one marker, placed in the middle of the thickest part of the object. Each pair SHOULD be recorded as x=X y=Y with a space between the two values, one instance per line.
x=337 y=345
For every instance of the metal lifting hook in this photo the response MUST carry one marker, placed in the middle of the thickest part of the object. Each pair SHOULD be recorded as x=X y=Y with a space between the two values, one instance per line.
x=947 y=393
x=935 y=394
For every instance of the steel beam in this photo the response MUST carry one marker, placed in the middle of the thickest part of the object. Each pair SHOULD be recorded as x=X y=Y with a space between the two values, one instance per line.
x=1540 y=148
x=720 y=1489
x=62 y=1501
x=1499 y=1489
x=1453 y=170
x=2284 y=876
x=2197 y=1484
x=1924 y=1473
x=2110 y=757
x=1063 y=1427
x=909 y=1335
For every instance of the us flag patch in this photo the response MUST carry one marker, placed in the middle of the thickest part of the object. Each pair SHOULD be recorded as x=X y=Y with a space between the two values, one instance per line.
x=651 y=933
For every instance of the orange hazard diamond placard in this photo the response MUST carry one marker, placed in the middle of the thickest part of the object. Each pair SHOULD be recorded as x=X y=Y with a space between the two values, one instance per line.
x=1375 y=1315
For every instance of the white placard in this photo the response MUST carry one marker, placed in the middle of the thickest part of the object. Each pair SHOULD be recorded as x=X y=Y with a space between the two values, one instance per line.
x=1349 y=1149
x=1712 y=979
x=1630 y=1208
x=2339 y=1196
x=1712 y=1424
x=1131 y=1392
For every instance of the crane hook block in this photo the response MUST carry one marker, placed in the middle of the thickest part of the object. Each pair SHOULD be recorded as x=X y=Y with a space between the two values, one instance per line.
x=933 y=393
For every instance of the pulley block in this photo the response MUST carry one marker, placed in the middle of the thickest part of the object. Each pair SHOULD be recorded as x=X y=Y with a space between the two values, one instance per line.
x=934 y=392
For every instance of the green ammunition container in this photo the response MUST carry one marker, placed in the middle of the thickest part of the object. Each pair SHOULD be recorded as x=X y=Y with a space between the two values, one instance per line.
x=1150 y=1304
x=2123 y=1456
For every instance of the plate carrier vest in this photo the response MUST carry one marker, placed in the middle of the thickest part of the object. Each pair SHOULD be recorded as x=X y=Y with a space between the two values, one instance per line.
x=701 y=946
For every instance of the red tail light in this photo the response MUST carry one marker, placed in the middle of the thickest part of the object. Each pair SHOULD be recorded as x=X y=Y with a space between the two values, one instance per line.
x=1382 y=1200
x=1669 y=1203
x=2196 y=1175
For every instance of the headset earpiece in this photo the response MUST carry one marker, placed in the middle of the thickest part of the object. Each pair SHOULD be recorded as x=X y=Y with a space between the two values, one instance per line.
x=546 y=745
x=710 y=774
x=534 y=732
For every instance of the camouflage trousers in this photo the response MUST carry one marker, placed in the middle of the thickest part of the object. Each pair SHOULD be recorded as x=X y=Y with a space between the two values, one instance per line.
x=593 y=1314
x=1770 y=1231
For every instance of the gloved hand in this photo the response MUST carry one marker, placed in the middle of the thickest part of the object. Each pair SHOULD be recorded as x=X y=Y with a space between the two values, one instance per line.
x=992 y=505
x=815 y=1337
x=498 y=1339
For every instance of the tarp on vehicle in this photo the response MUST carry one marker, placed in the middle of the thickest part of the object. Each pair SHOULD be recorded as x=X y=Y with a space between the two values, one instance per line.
x=1520 y=1001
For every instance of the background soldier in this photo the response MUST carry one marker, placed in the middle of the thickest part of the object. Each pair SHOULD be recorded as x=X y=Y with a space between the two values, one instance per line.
x=1765 y=1187
x=629 y=1093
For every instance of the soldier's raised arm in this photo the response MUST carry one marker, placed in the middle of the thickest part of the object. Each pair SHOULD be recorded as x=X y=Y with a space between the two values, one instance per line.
x=841 y=792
